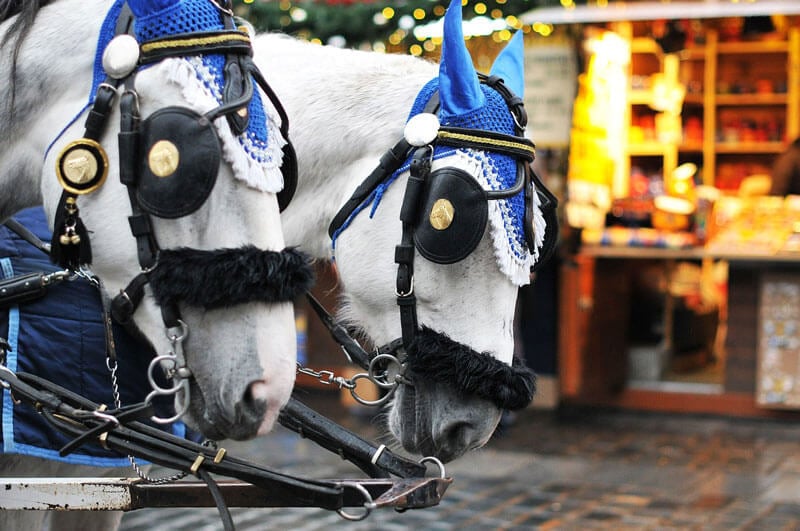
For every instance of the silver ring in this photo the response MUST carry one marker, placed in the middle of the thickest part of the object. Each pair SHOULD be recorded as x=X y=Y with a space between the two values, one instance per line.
x=369 y=504
x=157 y=389
x=431 y=459
x=372 y=367
x=363 y=401
x=179 y=411
x=184 y=328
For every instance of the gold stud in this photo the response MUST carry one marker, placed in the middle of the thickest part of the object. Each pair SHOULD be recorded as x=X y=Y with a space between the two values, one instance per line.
x=220 y=455
x=242 y=112
x=163 y=158
x=197 y=462
x=441 y=214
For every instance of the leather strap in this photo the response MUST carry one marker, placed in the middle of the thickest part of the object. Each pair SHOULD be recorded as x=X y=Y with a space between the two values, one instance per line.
x=75 y=416
x=377 y=461
x=389 y=163
x=354 y=351
x=22 y=231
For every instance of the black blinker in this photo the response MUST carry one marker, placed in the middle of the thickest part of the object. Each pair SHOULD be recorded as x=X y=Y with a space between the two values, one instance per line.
x=179 y=162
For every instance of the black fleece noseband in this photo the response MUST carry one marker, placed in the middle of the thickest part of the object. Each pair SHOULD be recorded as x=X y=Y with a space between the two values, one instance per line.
x=218 y=279
x=435 y=356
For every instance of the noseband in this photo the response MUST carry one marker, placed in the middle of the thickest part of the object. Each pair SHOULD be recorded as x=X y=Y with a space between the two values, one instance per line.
x=430 y=354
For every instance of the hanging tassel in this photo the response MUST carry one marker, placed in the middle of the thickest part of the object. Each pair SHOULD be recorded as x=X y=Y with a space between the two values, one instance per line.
x=70 y=247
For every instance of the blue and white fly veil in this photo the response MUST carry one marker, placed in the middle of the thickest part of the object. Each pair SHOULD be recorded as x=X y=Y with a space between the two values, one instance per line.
x=466 y=103
x=256 y=155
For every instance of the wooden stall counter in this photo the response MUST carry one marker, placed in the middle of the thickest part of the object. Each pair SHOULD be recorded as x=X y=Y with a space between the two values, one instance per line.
x=626 y=340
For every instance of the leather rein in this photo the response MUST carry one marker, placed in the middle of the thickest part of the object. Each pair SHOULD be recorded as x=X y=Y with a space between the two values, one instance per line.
x=122 y=429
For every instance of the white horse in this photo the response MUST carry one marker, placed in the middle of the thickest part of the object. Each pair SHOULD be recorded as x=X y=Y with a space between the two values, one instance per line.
x=240 y=351
x=347 y=108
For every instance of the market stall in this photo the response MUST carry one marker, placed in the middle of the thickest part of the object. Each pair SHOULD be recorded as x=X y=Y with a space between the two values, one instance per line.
x=679 y=285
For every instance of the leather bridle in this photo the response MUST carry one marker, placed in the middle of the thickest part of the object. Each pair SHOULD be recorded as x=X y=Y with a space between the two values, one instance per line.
x=274 y=276
x=520 y=392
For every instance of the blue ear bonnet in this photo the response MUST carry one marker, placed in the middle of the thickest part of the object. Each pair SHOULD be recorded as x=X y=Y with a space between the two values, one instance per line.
x=188 y=16
x=493 y=116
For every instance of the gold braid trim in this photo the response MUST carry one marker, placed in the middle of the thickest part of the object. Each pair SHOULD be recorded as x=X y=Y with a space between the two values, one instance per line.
x=522 y=146
x=194 y=41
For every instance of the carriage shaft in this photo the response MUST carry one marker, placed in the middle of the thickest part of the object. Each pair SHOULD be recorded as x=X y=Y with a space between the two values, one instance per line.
x=127 y=494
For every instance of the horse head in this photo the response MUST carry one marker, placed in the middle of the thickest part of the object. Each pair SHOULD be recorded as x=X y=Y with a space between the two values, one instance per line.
x=170 y=174
x=471 y=230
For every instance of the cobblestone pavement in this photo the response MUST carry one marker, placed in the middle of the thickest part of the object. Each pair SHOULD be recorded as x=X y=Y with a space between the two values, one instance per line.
x=548 y=470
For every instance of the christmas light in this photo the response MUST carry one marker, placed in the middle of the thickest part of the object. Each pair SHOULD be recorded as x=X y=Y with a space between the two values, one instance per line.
x=398 y=25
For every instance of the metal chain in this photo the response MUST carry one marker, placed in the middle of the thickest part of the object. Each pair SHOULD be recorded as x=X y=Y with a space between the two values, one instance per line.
x=327 y=377
x=85 y=273
x=112 y=368
x=383 y=378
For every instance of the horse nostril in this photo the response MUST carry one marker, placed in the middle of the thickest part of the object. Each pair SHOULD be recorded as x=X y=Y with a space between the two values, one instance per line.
x=454 y=439
x=253 y=405
x=257 y=390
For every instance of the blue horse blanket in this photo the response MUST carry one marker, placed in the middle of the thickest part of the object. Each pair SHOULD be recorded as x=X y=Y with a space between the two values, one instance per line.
x=61 y=337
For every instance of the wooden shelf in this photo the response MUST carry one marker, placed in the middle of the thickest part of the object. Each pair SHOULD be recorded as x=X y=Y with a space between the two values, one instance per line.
x=751 y=99
x=691 y=147
x=640 y=149
x=753 y=47
x=776 y=60
x=739 y=148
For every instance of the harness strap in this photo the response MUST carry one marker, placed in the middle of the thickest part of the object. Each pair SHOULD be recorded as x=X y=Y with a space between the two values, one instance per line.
x=70 y=246
x=352 y=349
x=514 y=146
x=31 y=286
x=22 y=231
x=74 y=416
x=289 y=162
x=377 y=461
x=404 y=251
x=28 y=287
x=388 y=164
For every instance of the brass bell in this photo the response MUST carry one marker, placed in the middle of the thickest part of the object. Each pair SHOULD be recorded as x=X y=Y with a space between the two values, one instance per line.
x=74 y=239
x=64 y=239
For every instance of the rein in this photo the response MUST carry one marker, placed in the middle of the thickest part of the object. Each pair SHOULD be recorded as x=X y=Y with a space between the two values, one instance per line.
x=121 y=429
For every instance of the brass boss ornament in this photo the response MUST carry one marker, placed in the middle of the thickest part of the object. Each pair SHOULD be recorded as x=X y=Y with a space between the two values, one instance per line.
x=82 y=166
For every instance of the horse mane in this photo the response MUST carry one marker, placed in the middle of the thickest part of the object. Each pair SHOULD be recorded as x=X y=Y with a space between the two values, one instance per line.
x=17 y=31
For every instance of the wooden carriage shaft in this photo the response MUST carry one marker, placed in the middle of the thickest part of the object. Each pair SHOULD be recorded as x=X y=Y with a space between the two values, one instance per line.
x=127 y=494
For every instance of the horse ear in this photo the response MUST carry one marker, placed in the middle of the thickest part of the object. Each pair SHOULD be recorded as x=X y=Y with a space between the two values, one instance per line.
x=143 y=8
x=459 y=89
x=510 y=65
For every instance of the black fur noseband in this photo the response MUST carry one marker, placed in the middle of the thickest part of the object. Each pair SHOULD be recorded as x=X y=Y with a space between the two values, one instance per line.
x=435 y=356
x=226 y=277
x=216 y=279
